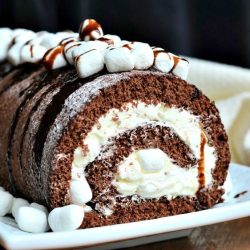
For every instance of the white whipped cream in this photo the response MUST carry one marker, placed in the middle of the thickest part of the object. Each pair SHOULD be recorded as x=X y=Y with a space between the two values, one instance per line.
x=130 y=116
x=156 y=177
x=150 y=173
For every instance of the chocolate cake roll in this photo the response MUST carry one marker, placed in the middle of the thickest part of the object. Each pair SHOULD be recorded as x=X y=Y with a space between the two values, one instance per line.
x=127 y=146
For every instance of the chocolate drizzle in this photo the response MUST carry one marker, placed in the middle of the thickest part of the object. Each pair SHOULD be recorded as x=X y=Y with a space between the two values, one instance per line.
x=78 y=57
x=176 y=61
x=240 y=194
x=50 y=56
x=87 y=31
x=72 y=46
x=127 y=45
x=156 y=51
x=201 y=162
x=31 y=51
x=106 y=40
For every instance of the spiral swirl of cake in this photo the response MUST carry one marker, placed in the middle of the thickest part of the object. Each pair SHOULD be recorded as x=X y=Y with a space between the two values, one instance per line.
x=127 y=146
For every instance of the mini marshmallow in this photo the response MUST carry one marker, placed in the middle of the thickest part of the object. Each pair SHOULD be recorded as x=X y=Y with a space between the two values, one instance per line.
x=143 y=55
x=42 y=33
x=68 y=40
x=87 y=46
x=5 y=43
x=54 y=58
x=118 y=59
x=6 y=202
x=14 y=54
x=2 y=189
x=151 y=159
x=89 y=63
x=66 y=218
x=124 y=42
x=90 y=29
x=6 y=32
x=38 y=39
x=17 y=32
x=24 y=36
x=110 y=39
x=17 y=203
x=50 y=41
x=32 y=53
x=32 y=220
x=40 y=207
x=66 y=34
x=181 y=68
x=44 y=209
x=68 y=51
x=164 y=61
x=80 y=191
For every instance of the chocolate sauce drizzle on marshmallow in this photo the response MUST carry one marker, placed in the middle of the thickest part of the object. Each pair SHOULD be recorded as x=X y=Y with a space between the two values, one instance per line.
x=90 y=29
x=89 y=51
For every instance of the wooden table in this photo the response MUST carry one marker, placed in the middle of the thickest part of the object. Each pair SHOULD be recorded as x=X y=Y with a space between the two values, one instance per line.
x=232 y=235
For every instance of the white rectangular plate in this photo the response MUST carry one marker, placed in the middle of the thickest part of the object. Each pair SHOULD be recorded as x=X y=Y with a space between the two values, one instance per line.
x=136 y=233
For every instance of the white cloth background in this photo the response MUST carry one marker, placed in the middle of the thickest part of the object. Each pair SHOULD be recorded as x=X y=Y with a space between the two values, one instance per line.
x=229 y=87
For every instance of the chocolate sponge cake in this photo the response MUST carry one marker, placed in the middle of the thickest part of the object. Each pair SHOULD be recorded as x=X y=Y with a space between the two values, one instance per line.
x=123 y=135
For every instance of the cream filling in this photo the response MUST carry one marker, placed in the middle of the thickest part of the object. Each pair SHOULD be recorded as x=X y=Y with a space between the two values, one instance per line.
x=132 y=115
x=150 y=173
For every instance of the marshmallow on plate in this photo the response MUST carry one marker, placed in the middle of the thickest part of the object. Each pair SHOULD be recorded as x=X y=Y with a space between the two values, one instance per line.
x=80 y=191
x=40 y=207
x=44 y=209
x=163 y=61
x=66 y=218
x=89 y=63
x=17 y=203
x=6 y=202
x=118 y=59
x=32 y=220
